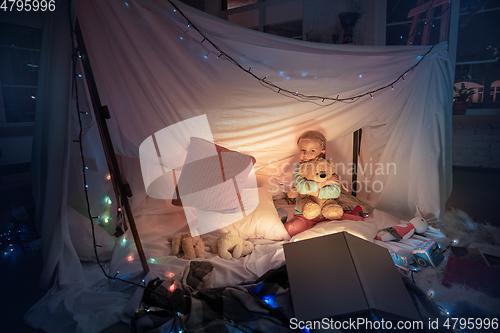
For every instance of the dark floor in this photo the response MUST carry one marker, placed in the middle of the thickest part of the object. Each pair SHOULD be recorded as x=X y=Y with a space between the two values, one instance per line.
x=474 y=191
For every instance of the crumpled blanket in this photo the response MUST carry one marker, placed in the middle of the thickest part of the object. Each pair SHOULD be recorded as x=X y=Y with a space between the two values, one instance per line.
x=264 y=305
x=261 y=306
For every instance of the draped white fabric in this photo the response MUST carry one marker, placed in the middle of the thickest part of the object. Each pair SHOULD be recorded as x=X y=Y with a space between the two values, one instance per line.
x=153 y=71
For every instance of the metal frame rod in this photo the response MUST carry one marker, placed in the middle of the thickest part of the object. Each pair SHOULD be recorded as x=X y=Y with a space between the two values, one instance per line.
x=119 y=185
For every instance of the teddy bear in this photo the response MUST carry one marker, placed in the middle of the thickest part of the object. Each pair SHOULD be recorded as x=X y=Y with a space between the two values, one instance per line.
x=319 y=170
x=403 y=231
x=193 y=247
x=230 y=246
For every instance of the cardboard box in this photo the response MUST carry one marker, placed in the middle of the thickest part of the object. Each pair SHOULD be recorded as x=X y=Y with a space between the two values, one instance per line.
x=428 y=254
x=340 y=274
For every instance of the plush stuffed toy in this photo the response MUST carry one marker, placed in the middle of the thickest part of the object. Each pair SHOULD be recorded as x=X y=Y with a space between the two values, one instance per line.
x=230 y=246
x=403 y=231
x=319 y=170
x=193 y=247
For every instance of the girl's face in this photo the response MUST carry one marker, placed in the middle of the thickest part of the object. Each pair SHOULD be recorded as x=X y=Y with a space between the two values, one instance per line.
x=309 y=149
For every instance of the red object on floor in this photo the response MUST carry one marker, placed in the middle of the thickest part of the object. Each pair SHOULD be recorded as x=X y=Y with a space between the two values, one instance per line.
x=355 y=215
x=472 y=274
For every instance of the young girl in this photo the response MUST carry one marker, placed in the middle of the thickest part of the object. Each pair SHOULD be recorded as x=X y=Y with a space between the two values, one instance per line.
x=311 y=144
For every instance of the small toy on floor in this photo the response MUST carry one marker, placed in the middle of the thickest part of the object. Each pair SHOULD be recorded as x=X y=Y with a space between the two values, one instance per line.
x=230 y=246
x=193 y=247
x=401 y=262
x=403 y=231
x=428 y=254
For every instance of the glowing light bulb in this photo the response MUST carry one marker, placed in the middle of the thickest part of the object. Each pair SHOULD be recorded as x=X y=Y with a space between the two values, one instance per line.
x=108 y=177
x=360 y=75
x=106 y=220
x=181 y=38
x=172 y=287
x=124 y=240
x=86 y=186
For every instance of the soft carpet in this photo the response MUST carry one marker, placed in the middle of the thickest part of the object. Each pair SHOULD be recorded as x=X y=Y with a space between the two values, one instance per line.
x=460 y=301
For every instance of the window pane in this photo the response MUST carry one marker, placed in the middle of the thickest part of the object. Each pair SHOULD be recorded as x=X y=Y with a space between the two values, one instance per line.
x=476 y=32
x=18 y=66
x=19 y=104
x=20 y=36
x=484 y=78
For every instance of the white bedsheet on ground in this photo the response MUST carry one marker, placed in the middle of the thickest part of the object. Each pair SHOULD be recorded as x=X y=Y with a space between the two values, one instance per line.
x=156 y=221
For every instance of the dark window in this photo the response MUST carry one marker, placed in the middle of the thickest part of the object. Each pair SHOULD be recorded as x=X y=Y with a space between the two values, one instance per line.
x=19 y=59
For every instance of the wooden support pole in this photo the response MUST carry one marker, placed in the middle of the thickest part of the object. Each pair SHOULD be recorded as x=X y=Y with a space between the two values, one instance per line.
x=356 y=141
x=101 y=116
x=427 y=34
x=413 y=25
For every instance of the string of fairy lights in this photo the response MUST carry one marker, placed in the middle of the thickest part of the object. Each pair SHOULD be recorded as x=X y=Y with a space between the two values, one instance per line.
x=317 y=99
x=75 y=76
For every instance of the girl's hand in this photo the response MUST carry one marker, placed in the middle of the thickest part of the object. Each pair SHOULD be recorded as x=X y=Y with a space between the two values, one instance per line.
x=314 y=194
x=333 y=180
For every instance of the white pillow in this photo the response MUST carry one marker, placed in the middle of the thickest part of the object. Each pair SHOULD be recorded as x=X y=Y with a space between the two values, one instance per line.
x=80 y=232
x=262 y=223
x=362 y=229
